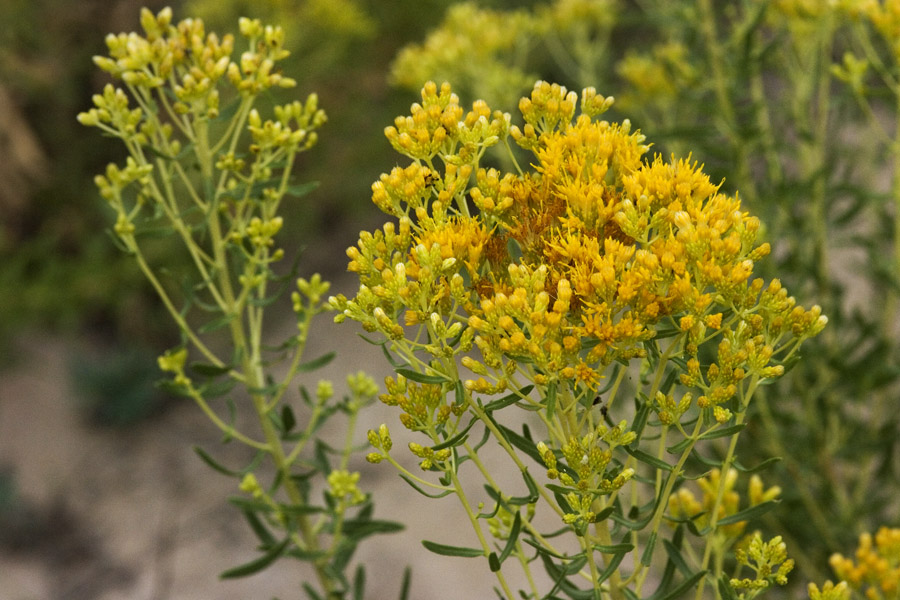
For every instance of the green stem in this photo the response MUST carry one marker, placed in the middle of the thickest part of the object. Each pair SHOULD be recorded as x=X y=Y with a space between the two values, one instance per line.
x=473 y=520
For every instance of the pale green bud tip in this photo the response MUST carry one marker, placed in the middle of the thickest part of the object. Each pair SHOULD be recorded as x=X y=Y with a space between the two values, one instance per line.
x=250 y=485
x=362 y=385
x=324 y=390
x=829 y=591
x=173 y=361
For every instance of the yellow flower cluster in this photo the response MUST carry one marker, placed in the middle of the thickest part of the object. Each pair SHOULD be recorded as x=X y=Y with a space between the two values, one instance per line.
x=876 y=569
x=684 y=505
x=655 y=78
x=585 y=469
x=556 y=273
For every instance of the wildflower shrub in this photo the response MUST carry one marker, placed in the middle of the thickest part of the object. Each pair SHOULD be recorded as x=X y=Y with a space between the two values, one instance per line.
x=795 y=104
x=207 y=170
x=608 y=295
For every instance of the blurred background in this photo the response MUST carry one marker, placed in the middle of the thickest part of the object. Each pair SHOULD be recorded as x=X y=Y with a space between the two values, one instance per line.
x=100 y=493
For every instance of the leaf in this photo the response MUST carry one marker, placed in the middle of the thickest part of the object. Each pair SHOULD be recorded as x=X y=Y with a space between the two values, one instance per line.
x=649 y=459
x=679 y=591
x=405 y=583
x=359 y=583
x=493 y=562
x=611 y=567
x=445 y=550
x=288 y=420
x=212 y=462
x=259 y=528
x=313 y=594
x=640 y=419
x=613 y=548
x=523 y=444
x=316 y=363
x=675 y=557
x=726 y=592
x=413 y=375
x=510 y=398
x=215 y=324
x=299 y=190
x=680 y=446
x=209 y=370
x=259 y=564
x=763 y=465
x=647 y=554
x=748 y=513
x=533 y=493
x=423 y=492
x=720 y=433
x=457 y=439
x=510 y=540
x=359 y=529
x=551 y=400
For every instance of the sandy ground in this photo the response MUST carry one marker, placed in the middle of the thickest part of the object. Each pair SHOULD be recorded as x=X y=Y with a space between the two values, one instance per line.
x=132 y=513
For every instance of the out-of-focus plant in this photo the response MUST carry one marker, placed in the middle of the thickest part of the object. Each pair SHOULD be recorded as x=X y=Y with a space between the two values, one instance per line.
x=318 y=33
x=494 y=54
x=795 y=104
x=554 y=286
x=207 y=170
x=874 y=575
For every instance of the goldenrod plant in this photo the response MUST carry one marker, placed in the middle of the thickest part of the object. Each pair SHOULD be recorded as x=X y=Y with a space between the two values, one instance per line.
x=794 y=104
x=207 y=170
x=595 y=316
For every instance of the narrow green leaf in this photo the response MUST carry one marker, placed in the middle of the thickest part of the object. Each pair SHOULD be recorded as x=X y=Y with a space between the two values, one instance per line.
x=649 y=459
x=679 y=447
x=511 y=539
x=611 y=567
x=726 y=592
x=259 y=528
x=259 y=564
x=215 y=324
x=522 y=444
x=359 y=583
x=675 y=557
x=299 y=190
x=316 y=363
x=393 y=361
x=405 y=584
x=763 y=465
x=212 y=463
x=551 y=400
x=288 y=420
x=533 y=492
x=493 y=562
x=510 y=398
x=359 y=529
x=460 y=394
x=749 y=513
x=647 y=554
x=423 y=492
x=313 y=594
x=679 y=591
x=445 y=550
x=720 y=433
x=209 y=370
x=413 y=375
x=622 y=548
x=457 y=439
